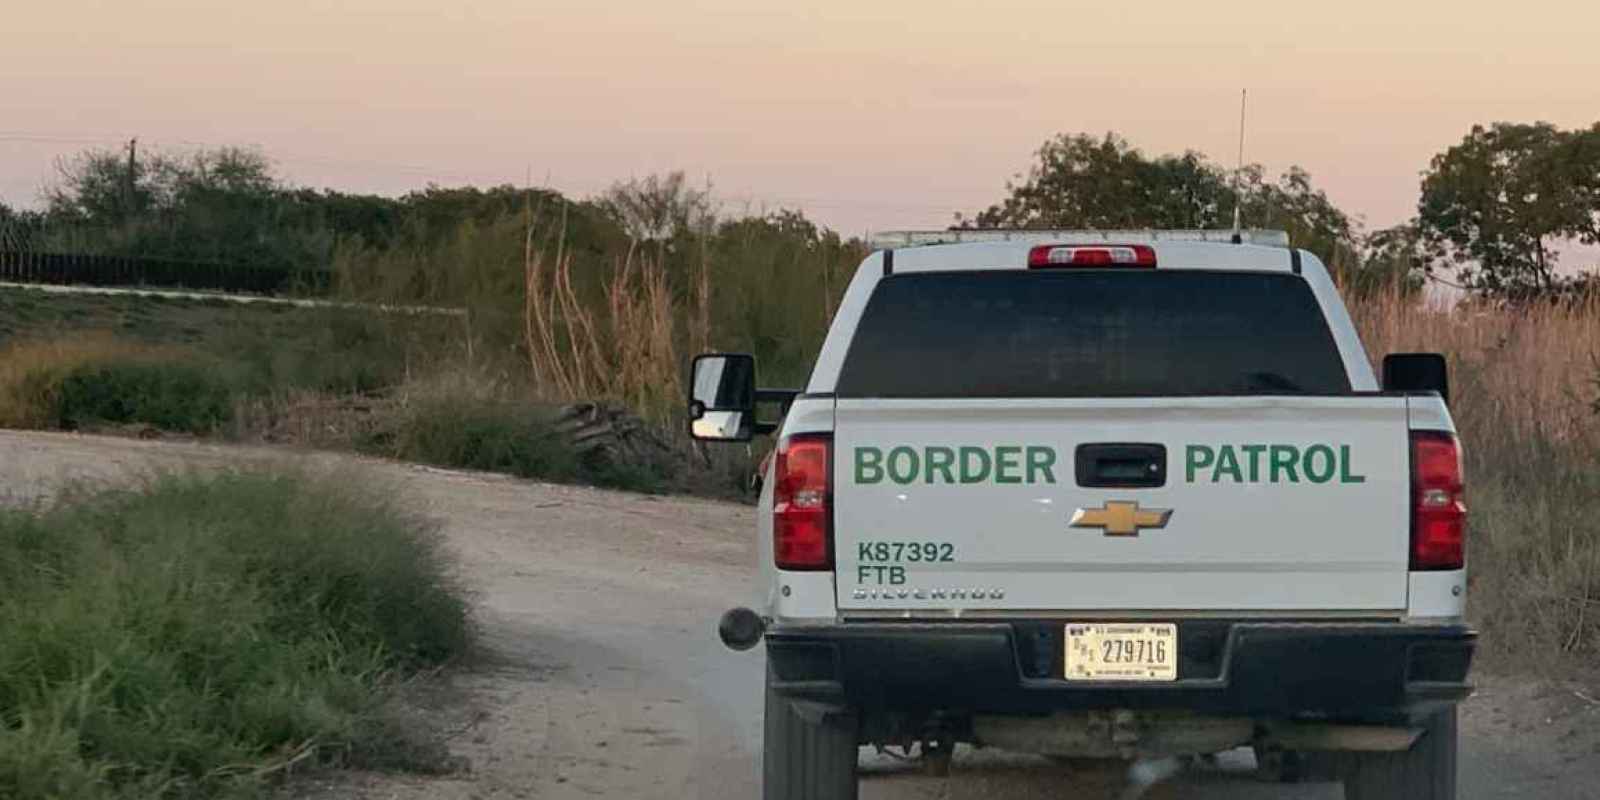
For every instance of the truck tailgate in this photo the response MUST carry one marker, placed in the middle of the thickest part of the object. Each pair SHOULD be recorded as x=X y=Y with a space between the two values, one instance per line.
x=1264 y=504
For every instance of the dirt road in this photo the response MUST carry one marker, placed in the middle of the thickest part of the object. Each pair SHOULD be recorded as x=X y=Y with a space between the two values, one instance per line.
x=604 y=677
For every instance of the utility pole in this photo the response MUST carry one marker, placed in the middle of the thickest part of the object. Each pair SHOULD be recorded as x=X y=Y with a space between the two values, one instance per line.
x=128 y=183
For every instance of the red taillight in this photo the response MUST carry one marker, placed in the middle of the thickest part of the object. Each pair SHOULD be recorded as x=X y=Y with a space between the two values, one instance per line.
x=802 y=498
x=1438 y=506
x=1100 y=255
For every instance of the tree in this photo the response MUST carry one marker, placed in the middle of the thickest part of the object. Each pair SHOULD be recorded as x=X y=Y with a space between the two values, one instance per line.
x=1080 y=182
x=659 y=207
x=224 y=205
x=1392 y=259
x=14 y=231
x=1312 y=221
x=100 y=187
x=1497 y=204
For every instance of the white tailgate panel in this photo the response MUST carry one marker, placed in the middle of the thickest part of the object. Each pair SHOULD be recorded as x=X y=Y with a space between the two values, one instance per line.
x=1248 y=545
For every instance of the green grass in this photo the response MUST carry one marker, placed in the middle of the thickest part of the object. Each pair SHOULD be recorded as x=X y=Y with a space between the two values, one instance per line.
x=261 y=346
x=80 y=361
x=189 y=637
x=251 y=371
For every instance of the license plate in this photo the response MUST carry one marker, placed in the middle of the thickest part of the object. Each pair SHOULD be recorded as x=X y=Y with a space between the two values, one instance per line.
x=1122 y=651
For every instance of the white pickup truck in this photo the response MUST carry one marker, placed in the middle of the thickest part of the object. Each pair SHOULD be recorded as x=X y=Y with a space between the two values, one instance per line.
x=1133 y=495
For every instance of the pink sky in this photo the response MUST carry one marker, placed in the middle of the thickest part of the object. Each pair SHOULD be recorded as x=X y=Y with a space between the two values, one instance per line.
x=869 y=114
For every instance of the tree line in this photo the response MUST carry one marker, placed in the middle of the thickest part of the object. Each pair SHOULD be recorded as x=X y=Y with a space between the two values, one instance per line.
x=228 y=205
x=1493 y=214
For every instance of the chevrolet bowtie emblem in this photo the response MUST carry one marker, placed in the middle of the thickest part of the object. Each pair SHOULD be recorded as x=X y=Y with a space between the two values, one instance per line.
x=1120 y=518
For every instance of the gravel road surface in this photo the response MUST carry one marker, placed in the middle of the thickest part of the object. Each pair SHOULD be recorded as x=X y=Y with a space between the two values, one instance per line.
x=603 y=676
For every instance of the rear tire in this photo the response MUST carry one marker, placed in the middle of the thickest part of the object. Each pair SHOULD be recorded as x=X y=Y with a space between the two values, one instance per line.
x=1425 y=772
x=808 y=751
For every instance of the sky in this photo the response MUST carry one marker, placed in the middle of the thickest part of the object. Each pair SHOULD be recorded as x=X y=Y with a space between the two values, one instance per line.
x=867 y=114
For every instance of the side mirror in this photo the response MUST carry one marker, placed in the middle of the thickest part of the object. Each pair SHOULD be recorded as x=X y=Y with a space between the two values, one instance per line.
x=722 y=397
x=1416 y=372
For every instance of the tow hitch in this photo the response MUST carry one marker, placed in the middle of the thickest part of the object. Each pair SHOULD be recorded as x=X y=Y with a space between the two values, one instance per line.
x=740 y=628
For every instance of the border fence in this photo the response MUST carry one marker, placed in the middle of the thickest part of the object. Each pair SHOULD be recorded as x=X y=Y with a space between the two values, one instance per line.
x=21 y=266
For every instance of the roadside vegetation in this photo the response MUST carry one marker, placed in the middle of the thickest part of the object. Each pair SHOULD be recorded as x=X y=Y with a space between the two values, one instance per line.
x=459 y=421
x=205 y=636
x=558 y=302
x=1526 y=401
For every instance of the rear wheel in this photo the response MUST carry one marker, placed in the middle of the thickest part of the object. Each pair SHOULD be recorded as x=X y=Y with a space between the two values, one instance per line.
x=809 y=751
x=1425 y=772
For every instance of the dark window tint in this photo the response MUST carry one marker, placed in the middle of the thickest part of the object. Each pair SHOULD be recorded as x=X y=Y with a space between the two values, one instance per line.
x=1096 y=333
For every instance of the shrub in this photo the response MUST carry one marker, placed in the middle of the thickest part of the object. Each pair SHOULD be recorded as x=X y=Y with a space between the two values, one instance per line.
x=195 y=635
x=496 y=435
x=31 y=374
x=68 y=384
x=170 y=395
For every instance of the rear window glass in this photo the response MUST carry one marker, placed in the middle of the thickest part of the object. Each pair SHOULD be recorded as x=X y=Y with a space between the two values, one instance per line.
x=1091 y=333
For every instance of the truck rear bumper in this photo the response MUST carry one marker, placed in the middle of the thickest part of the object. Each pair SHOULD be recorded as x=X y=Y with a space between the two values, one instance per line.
x=1344 y=671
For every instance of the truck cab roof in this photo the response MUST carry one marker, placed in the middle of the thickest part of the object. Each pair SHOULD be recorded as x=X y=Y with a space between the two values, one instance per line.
x=935 y=251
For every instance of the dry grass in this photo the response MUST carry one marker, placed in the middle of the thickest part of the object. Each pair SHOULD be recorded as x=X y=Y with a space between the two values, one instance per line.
x=1530 y=370
x=1526 y=399
x=31 y=373
x=623 y=349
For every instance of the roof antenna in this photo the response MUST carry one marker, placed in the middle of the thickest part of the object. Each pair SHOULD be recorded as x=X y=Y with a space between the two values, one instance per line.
x=1238 y=198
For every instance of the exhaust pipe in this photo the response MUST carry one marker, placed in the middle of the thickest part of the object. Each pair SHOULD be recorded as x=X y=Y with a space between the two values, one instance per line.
x=740 y=628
